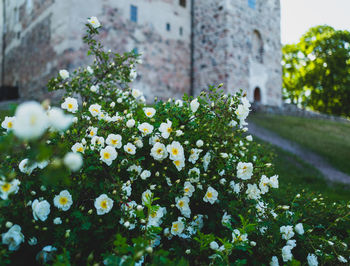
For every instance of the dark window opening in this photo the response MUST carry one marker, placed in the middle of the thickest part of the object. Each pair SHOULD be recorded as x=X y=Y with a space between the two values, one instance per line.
x=133 y=13
x=257 y=95
x=258 y=47
x=181 y=31
x=183 y=3
x=168 y=26
x=8 y=93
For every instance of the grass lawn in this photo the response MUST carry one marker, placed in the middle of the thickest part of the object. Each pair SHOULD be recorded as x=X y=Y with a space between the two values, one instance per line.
x=296 y=176
x=329 y=139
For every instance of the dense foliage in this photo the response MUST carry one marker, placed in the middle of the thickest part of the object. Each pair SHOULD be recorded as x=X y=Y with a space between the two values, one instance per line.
x=316 y=70
x=178 y=182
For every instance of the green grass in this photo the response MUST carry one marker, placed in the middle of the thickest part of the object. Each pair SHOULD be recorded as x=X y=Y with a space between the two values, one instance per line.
x=296 y=176
x=329 y=139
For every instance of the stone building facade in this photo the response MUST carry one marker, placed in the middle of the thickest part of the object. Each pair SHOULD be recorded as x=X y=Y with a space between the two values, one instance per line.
x=187 y=45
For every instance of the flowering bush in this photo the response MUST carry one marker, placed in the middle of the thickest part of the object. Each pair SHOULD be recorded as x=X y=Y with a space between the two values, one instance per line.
x=108 y=179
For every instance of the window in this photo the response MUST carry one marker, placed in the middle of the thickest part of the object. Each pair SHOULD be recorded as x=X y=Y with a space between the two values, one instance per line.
x=133 y=13
x=181 y=31
x=258 y=47
x=251 y=3
x=183 y=3
x=168 y=26
x=257 y=95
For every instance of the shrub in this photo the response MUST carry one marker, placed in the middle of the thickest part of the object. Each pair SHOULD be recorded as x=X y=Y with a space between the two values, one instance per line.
x=113 y=180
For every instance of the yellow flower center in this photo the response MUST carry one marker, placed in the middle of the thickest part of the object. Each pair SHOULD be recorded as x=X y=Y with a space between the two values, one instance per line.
x=114 y=141
x=92 y=133
x=129 y=150
x=177 y=163
x=174 y=151
x=209 y=195
x=63 y=200
x=186 y=189
x=149 y=114
x=104 y=204
x=106 y=155
x=80 y=149
x=181 y=203
x=153 y=214
x=95 y=110
x=159 y=151
x=145 y=130
x=6 y=187
x=33 y=120
x=175 y=227
x=169 y=129
x=70 y=106
x=9 y=124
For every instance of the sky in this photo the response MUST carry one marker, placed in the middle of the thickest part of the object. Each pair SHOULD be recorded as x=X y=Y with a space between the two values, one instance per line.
x=299 y=15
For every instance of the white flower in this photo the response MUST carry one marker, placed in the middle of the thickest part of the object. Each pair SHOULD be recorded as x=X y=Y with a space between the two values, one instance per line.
x=130 y=123
x=73 y=161
x=133 y=75
x=25 y=168
x=93 y=21
x=146 y=197
x=179 y=133
x=127 y=189
x=78 y=147
x=103 y=204
x=154 y=219
x=92 y=131
x=135 y=168
x=159 y=152
x=249 y=138
x=286 y=253
x=244 y=170
x=177 y=227
x=64 y=74
x=274 y=181
x=182 y=205
x=32 y=241
x=194 y=105
x=287 y=232
x=342 y=259
x=194 y=174
x=213 y=245
x=274 y=261
x=223 y=155
x=130 y=148
x=136 y=93
x=206 y=160
x=95 y=109
x=41 y=209
x=114 y=140
x=312 y=260
x=94 y=88
x=299 y=228
x=138 y=143
x=211 y=195
x=179 y=164
x=242 y=112
x=145 y=174
x=226 y=218
x=253 y=192
x=235 y=187
x=149 y=112
x=70 y=104
x=57 y=220
x=264 y=184
x=108 y=155
x=179 y=103
x=237 y=236
x=7 y=188
x=8 y=122
x=194 y=155
x=30 y=121
x=199 y=143
x=58 y=119
x=99 y=141
x=165 y=129
x=13 y=237
x=63 y=201
x=145 y=128
x=188 y=189
x=176 y=151
x=90 y=70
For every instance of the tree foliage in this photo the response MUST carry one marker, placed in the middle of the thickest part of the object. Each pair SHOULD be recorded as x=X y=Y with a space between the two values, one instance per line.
x=316 y=70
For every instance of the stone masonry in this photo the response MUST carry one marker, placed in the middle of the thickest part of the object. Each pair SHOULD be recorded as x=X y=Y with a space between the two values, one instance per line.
x=236 y=42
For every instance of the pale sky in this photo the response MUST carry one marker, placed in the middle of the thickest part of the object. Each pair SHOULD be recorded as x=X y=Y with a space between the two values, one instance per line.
x=299 y=15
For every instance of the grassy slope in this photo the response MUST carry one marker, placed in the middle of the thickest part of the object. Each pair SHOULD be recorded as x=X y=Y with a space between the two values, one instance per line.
x=296 y=176
x=327 y=138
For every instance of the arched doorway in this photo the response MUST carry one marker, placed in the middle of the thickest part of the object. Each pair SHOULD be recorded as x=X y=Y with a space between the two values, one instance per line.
x=257 y=95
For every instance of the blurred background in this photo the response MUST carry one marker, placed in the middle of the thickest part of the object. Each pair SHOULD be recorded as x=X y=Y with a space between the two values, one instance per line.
x=291 y=57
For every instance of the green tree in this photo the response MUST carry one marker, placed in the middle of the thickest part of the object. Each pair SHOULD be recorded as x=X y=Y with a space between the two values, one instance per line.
x=316 y=70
